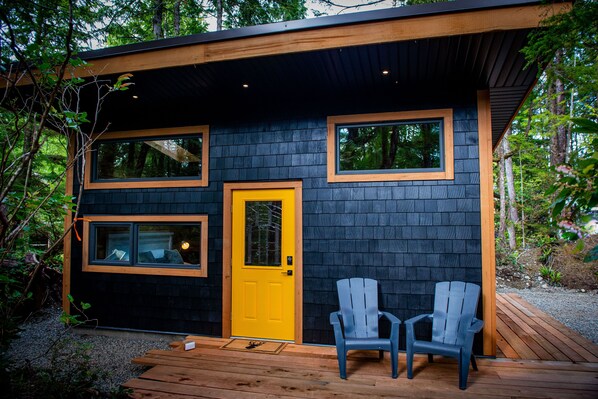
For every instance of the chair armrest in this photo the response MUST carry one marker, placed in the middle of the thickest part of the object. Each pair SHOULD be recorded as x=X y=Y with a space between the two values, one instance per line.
x=335 y=320
x=409 y=324
x=394 y=325
x=476 y=326
x=390 y=317
x=418 y=318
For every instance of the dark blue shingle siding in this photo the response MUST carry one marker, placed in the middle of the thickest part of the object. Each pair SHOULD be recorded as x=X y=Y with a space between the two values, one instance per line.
x=407 y=235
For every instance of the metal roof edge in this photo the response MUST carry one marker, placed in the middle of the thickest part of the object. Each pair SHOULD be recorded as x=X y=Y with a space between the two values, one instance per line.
x=308 y=24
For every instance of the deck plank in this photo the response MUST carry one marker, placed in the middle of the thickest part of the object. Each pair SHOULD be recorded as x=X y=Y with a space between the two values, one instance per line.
x=536 y=337
x=589 y=348
x=555 y=338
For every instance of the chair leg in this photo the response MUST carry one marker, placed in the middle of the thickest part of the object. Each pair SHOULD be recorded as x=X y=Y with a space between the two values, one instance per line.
x=430 y=358
x=394 y=361
x=409 y=354
x=380 y=355
x=463 y=370
x=342 y=363
x=473 y=363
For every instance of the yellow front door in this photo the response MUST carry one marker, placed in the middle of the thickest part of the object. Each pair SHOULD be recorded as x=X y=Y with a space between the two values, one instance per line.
x=263 y=272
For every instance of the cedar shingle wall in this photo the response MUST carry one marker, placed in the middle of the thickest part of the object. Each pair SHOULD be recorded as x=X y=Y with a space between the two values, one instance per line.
x=407 y=235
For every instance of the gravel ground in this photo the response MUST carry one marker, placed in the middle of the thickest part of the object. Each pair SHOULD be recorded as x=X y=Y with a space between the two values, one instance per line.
x=577 y=310
x=112 y=351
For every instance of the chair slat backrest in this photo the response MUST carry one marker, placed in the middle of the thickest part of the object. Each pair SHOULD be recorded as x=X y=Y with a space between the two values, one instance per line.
x=455 y=305
x=358 y=298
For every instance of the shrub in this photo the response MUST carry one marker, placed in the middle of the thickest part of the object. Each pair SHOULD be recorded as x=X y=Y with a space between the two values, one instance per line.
x=549 y=274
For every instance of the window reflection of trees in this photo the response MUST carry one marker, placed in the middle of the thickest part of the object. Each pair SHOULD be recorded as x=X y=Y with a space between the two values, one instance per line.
x=263 y=229
x=126 y=159
x=412 y=145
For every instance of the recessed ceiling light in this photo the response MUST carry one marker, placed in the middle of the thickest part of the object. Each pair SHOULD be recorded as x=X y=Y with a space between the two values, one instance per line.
x=135 y=97
x=245 y=86
x=385 y=72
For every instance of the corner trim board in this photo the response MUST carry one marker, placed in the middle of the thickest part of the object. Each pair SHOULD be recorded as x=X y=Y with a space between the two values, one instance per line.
x=487 y=223
x=68 y=221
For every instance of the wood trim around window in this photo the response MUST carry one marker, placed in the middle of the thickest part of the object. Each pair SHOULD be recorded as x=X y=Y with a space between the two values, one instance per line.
x=227 y=251
x=163 y=132
x=447 y=174
x=167 y=271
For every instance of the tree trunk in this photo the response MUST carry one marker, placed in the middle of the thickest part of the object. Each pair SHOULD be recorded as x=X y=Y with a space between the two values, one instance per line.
x=558 y=142
x=177 y=17
x=512 y=201
x=502 y=226
x=219 y=14
x=157 y=19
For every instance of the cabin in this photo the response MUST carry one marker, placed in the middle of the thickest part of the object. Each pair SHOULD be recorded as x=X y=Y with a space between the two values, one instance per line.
x=245 y=171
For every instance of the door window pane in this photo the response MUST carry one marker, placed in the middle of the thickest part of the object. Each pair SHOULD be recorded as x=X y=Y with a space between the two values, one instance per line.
x=263 y=228
x=112 y=243
x=149 y=158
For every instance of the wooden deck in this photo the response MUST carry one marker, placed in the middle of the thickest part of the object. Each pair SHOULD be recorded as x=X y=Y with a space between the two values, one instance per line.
x=525 y=332
x=569 y=368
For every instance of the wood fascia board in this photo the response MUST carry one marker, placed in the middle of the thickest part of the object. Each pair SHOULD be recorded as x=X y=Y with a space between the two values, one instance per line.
x=411 y=28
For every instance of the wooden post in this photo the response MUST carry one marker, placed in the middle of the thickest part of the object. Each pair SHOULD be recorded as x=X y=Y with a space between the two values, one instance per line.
x=487 y=223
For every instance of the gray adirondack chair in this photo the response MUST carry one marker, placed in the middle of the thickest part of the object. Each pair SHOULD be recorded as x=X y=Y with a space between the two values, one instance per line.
x=356 y=323
x=453 y=327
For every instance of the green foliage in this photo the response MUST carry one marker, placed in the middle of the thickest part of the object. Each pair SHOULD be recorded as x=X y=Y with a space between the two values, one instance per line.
x=13 y=280
x=547 y=196
x=75 y=320
x=506 y=257
x=592 y=255
x=256 y=12
x=67 y=373
x=135 y=21
x=575 y=190
x=575 y=29
x=552 y=276
x=131 y=21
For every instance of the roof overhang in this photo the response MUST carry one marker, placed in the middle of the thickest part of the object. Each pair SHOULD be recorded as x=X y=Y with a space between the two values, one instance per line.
x=468 y=43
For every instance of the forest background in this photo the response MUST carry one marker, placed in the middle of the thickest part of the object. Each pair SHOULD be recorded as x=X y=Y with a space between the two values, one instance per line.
x=546 y=167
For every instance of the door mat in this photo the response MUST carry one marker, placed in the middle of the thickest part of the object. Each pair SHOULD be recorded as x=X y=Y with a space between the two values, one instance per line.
x=254 y=345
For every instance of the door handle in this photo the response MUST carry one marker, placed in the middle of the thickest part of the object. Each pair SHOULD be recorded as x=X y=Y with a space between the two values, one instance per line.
x=288 y=272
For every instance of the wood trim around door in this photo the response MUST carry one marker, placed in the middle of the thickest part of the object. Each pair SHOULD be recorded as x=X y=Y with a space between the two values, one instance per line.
x=227 y=251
